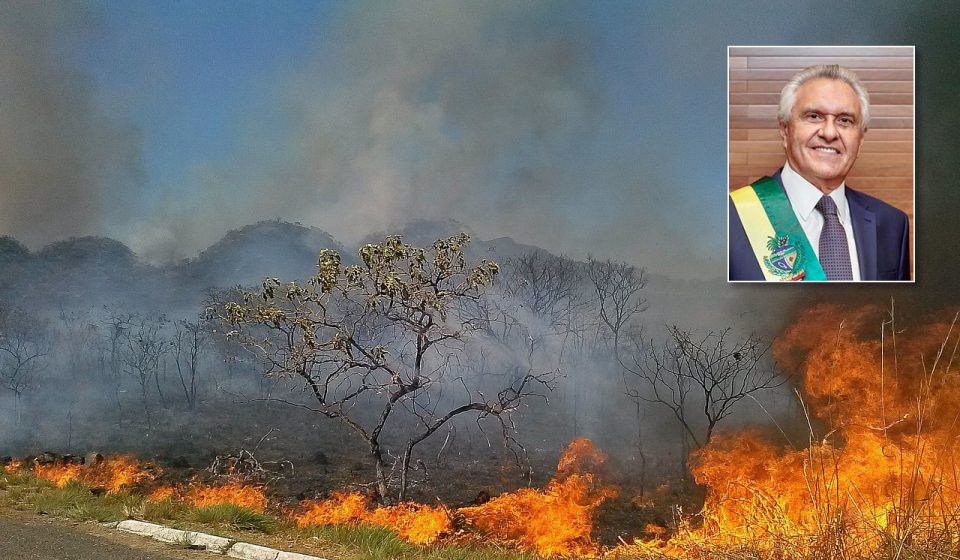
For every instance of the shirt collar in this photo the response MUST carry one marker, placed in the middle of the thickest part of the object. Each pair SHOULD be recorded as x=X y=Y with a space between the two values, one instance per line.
x=804 y=196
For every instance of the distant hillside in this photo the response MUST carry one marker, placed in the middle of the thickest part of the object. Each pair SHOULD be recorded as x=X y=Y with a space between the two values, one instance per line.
x=247 y=255
x=76 y=272
x=91 y=272
x=424 y=232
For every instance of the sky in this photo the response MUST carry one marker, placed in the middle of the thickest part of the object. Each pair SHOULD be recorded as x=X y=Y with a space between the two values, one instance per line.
x=582 y=127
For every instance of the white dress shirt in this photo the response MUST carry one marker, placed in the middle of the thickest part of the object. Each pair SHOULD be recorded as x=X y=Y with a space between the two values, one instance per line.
x=804 y=197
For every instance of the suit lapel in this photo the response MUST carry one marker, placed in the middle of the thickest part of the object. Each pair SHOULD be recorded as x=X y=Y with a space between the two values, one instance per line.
x=864 y=234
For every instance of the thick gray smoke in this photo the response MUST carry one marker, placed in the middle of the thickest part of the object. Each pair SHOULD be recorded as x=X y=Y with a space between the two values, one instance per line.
x=410 y=111
x=63 y=161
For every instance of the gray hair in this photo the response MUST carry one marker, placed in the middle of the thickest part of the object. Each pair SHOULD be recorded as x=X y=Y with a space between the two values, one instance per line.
x=832 y=71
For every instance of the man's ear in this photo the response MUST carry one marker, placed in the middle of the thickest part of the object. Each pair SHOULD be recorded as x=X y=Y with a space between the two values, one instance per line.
x=783 y=133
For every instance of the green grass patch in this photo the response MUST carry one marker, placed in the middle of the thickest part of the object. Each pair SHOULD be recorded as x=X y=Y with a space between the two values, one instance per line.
x=234 y=516
x=76 y=501
x=363 y=542
x=163 y=510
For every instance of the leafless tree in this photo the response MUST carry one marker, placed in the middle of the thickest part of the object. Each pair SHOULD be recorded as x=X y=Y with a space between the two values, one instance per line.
x=190 y=338
x=78 y=341
x=24 y=344
x=617 y=287
x=142 y=349
x=384 y=336
x=548 y=285
x=116 y=326
x=700 y=379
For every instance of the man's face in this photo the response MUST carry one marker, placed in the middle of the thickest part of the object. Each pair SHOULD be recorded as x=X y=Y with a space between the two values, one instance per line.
x=823 y=137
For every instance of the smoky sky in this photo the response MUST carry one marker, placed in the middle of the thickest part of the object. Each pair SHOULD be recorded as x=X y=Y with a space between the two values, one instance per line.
x=579 y=128
x=464 y=110
x=584 y=128
x=64 y=161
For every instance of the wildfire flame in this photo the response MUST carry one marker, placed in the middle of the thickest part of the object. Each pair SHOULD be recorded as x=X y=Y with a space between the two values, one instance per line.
x=112 y=474
x=162 y=493
x=13 y=467
x=879 y=470
x=60 y=475
x=886 y=472
x=236 y=493
x=119 y=471
x=557 y=520
x=554 y=521
x=417 y=523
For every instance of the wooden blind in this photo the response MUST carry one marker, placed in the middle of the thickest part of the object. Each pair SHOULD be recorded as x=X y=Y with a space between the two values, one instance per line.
x=885 y=166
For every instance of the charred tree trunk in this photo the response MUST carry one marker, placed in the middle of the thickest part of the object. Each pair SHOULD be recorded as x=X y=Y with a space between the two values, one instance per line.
x=146 y=404
x=405 y=471
x=382 y=489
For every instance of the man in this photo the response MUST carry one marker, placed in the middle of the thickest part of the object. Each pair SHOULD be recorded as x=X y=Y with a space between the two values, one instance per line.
x=805 y=223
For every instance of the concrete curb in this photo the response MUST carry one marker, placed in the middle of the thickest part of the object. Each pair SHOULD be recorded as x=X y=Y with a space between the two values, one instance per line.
x=165 y=534
x=246 y=551
x=213 y=543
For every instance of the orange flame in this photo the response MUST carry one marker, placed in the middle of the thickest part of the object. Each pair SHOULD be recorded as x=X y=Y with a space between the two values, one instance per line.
x=112 y=474
x=59 y=474
x=554 y=521
x=13 y=467
x=885 y=473
x=117 y=472
x=557 y=520
x=162 y=493
x=235 y=493
x=417 y=523
x=339 y=509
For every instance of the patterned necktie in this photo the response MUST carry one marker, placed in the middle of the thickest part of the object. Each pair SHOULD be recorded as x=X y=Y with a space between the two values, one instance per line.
x=834 y=253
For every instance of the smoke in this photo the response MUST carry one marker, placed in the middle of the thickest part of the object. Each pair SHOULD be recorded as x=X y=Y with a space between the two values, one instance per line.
x=63 y=160
x=463 y=110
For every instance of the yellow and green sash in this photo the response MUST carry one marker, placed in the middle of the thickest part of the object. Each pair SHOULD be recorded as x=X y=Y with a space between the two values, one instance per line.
x=775 y=235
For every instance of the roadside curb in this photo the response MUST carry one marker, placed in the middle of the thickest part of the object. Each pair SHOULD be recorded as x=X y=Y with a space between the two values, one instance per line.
x=213 y=543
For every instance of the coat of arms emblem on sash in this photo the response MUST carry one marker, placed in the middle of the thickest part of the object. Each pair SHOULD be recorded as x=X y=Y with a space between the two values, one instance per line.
x=786 y=258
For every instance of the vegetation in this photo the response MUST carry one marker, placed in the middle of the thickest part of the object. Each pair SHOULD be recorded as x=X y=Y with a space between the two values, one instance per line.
x=24 y=345
x=345 y=542
x=385 y=335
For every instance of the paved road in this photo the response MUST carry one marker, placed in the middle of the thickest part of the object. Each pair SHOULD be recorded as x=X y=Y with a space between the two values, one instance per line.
x=32 y=537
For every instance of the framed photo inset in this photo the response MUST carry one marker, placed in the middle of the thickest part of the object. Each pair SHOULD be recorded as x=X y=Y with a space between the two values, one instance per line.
x=878 y=187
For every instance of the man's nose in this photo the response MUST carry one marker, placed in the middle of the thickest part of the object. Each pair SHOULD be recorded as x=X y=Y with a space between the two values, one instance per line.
x=828 y=130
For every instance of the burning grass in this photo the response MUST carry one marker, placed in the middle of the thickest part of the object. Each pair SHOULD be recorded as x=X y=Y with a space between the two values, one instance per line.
x=112 y=474
x=415 y=523
x=233 y=493
x=884 y=482
x=880 y=479
x=554 y=521
x=557 y=520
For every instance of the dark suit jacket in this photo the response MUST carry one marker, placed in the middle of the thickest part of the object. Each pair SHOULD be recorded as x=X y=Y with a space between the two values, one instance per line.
x=881 y=232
